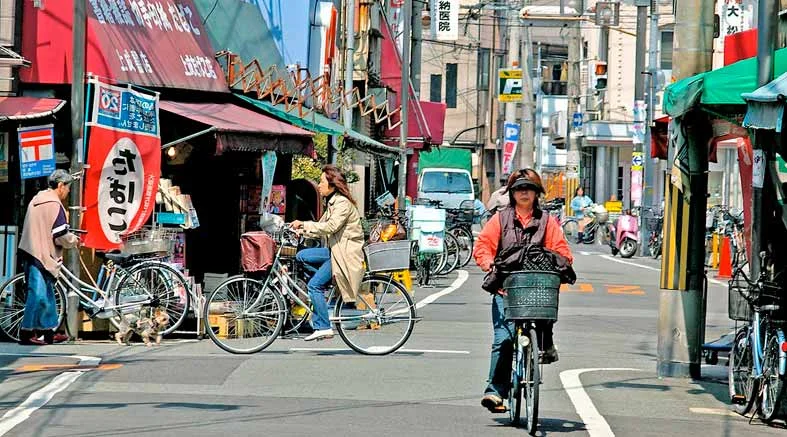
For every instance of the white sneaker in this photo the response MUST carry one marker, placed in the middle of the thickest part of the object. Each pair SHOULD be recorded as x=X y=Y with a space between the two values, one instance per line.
x=321 y=334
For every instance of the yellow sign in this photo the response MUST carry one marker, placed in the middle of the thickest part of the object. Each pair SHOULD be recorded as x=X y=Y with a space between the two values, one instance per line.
x=509 y=85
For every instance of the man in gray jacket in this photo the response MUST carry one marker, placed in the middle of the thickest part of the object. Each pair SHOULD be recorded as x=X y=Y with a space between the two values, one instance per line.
x=499 y=198
x=44 y=235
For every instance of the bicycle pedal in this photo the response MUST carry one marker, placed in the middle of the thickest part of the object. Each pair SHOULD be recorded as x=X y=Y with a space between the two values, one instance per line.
x=738 y=399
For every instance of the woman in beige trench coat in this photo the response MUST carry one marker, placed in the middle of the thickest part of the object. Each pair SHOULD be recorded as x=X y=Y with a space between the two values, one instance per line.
x=342 y=260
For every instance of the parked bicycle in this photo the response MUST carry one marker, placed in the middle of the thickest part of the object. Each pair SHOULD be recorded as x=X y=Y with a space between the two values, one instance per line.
x=757 y=360
x=246 y=313
x=125 y=288
x=654 y=220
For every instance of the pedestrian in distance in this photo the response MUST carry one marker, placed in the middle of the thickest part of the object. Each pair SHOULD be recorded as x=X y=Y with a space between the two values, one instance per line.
x=342 y=259
x=580 y=205
x=499 y=198
x=44 y=236
x=521 y=223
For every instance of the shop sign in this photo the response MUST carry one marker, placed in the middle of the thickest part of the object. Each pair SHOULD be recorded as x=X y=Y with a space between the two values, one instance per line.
x=510 y=141
x=124 y=157
x=445 y=19
x=3 y=156
x=509 y=85
x=152 y=43
x=736 y=16
x=36 y=151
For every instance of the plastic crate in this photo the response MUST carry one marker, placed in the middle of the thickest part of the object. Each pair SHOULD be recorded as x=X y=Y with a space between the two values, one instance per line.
x=388 y=256
x=531 y=295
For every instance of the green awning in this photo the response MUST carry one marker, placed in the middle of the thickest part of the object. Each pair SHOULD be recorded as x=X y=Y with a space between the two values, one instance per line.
x=722 y=86
x=319 y=123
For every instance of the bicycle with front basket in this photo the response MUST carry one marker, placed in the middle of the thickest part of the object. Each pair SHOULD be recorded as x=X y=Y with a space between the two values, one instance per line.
x=123 y=290
x=531 y=300
x=246 y=313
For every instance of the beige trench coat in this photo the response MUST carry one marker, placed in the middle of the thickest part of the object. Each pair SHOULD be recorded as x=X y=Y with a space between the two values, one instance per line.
x=341 y=226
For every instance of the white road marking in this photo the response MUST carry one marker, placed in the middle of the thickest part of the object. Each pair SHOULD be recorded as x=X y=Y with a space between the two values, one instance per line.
x=714 y=411
x=344 y=349
x=595 y=424
x=460 y=279
x=586 y=253
x=711 y=280
x=37 y=400
x=84 y=360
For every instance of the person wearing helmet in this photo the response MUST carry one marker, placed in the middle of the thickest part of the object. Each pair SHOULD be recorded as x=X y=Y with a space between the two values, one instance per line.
x=525 y=224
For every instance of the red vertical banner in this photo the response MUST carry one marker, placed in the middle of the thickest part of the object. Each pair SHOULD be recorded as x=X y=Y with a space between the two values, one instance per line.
x=745 y=162
x=124 y=157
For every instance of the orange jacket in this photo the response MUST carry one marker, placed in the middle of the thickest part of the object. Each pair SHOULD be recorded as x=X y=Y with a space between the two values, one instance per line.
x=485 y=247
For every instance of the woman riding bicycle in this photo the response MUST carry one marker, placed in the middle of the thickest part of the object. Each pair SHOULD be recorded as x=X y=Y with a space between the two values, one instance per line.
x=342 y=259
x=522 y=223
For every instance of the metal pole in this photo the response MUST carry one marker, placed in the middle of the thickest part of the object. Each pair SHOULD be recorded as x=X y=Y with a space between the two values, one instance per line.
x=527 y=122
x=767 y=10
x=407 y=8
x=639 y=55
x=574 y=91
x=649 y=167
x=415 y=55
x=513 y=61
x=603 y=55
x=349 y=24
x=77 y=136
x=537 y=124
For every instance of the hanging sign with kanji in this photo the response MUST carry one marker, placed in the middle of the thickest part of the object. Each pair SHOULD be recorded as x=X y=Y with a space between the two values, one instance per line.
x=124 y=157
x=445 y=19
x=736 y=16
x=36 y=151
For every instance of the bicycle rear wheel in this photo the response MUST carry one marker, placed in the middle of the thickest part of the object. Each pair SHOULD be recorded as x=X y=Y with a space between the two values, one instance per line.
x=382 y=319
x=451 y=254
x=773 y=385
x=161 y=282
x=13 y=297
x=531 y=382
x=571 y=231
x=742 y=384
x=243 y=318
x=465 y=239
x=517 y=372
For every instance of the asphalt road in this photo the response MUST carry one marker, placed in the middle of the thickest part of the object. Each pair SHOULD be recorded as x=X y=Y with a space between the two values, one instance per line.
x=432 y=387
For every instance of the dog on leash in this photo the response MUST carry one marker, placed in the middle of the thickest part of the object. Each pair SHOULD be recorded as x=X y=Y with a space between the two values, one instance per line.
x=149 y=328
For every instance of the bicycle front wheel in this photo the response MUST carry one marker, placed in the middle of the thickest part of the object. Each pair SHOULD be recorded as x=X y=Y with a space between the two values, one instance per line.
x=517 y=372
x=164 y=285
x=381 y=320
x=531 y=382
x=773 y=385
x=742 y=384
x=571 y=231
x=13 y=297
x=452 y=254
x=465 y=239
x=242 y=317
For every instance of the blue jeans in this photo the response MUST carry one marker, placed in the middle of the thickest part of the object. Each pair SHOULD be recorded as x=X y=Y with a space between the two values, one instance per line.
x=318 y=262
x=40 y=309
x=500 y=361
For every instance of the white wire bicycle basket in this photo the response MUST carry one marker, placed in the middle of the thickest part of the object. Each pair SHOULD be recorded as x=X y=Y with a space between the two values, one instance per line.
x=150 y=240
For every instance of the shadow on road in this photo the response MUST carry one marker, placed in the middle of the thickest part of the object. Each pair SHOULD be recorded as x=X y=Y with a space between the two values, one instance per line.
x=548 y=425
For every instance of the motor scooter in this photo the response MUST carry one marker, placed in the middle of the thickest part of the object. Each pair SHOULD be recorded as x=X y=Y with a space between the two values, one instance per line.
x=626 y=236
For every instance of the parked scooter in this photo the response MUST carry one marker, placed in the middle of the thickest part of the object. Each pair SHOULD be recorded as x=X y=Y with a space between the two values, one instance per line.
x=626 y=235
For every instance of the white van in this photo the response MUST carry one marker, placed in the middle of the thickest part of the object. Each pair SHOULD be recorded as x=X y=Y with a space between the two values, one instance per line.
x=451 y=186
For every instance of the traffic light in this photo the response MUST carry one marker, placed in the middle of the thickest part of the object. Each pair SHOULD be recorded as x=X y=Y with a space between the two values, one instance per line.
x=601 y=75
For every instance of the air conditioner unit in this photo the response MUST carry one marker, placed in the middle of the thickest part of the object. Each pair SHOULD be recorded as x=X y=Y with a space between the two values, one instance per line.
x=557 y=127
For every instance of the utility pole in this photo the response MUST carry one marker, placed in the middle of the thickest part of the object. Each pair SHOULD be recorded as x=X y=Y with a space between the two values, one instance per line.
x=649 y=169
x=681 y=312
x=528 y=133
x=407 y=9
x=603 y=56
x=79 y=40
x=574 y=87
x=415 y=55
x=767 y=11
x=513 y=62
x=349 y=63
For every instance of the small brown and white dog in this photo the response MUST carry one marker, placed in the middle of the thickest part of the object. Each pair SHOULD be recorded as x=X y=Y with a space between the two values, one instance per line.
x=149 y=328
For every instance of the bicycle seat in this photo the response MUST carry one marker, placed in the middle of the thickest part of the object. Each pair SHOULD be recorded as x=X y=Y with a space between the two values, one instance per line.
x=117 y=257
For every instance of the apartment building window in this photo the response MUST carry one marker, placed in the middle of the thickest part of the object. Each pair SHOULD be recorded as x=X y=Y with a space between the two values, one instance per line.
x=436 y=88
x=665 y=57
x=450 y=85
x=483 y=70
